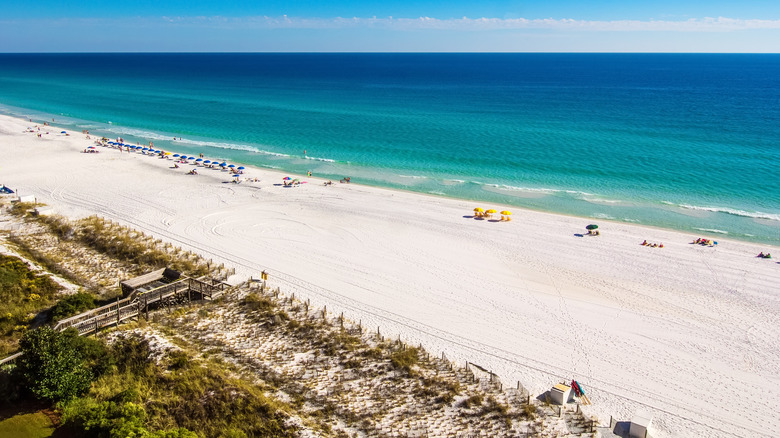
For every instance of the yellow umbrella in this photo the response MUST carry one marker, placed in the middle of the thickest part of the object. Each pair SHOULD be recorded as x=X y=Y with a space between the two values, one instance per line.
x=506 y=213
x=490 y=211
x=478 y=212
x=478 y=209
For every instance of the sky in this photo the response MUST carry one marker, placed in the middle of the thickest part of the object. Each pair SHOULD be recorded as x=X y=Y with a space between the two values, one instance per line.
x=750 y=26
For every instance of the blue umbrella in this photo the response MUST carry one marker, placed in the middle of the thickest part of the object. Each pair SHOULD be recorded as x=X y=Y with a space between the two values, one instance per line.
x=176 y=155
x=207 y=162
x=191 y=158
x=223 y=164
x=240 y=167
x=199 y=159
x=145 y=149
x=63 y=132
x=236 y=176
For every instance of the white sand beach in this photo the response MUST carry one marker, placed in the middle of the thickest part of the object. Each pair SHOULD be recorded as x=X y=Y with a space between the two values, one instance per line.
x=687 y=333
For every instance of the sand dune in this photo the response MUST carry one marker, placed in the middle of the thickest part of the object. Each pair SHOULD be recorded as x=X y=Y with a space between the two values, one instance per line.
x=688 y=333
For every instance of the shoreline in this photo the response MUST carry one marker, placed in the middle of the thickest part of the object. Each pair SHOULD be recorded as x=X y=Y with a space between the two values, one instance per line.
x=742 y=224
x=641 y=328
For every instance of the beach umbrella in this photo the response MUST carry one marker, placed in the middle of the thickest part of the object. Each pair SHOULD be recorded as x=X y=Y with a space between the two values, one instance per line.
x=240 y=167
x=231 y=165
x=199 y=159
x=506 y=213
x=176 y=155
x=491 y=211
x=63 y=132
x=223 y=164
x=191 y=158
x=591 y=227
x=207 y=162
x=236 y=176
x=479 y=210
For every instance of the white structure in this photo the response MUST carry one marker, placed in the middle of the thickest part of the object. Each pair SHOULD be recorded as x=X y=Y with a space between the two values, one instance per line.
x=640 y=425
x=560 y=394
x=30 y=199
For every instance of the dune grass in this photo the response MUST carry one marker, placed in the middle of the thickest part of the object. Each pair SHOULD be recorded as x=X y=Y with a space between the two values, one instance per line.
x=27 y=425
x=23 y=295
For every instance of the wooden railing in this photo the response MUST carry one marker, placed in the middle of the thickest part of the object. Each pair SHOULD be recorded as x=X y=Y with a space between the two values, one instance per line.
x=89 y=314
x=10 y=358
x=115 y=313
x=137 y=302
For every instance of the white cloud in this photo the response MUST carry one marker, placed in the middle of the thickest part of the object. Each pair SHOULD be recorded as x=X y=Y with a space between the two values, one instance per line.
x=706 y=24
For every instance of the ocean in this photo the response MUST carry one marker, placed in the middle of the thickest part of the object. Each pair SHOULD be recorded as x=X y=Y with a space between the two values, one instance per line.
x=689 y=142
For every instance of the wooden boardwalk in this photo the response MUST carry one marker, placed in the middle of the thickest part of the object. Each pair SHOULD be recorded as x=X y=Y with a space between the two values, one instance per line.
x=182 y=290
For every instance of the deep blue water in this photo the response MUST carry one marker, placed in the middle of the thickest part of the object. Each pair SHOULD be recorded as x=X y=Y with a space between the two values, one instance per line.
x=683 y=141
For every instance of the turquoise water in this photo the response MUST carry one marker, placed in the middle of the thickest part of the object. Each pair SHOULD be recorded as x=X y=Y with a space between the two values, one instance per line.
x=683 y=141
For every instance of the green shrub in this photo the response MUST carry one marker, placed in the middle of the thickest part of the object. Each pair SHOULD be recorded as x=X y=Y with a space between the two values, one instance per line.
x=72 y=305
x=50 y=367
x=22 y=293
x=10 y=384
x=94 y=353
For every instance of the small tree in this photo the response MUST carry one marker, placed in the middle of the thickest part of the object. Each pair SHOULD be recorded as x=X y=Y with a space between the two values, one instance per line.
x=50 y=368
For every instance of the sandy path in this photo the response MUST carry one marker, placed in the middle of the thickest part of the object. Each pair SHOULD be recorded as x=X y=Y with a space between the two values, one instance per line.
x=688 y=333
